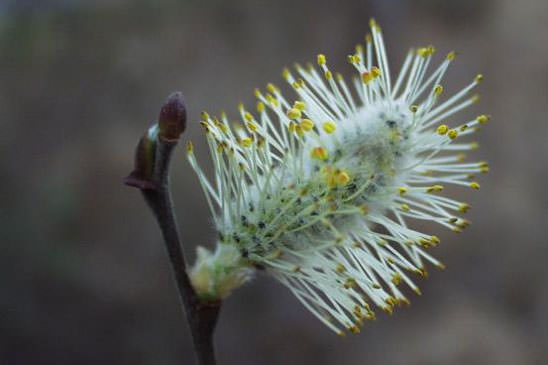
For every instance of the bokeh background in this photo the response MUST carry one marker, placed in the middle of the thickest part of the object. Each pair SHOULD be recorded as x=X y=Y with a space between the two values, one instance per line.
x=84 y=278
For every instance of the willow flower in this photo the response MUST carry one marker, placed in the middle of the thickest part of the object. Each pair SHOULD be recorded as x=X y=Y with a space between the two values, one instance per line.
x=318 y=191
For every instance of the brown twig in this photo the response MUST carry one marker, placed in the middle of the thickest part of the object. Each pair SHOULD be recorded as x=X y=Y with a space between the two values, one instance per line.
x=151 y=176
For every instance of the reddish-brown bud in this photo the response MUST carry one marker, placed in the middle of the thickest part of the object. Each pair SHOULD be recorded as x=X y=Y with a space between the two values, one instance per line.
x=145 y=153
x=172 y=119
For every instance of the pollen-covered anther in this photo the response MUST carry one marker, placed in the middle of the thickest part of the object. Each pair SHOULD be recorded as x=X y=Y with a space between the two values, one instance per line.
x=246 y=142
x=329 y=127
x=405 y=207
x=434 y=188
x=464 y=207
x=442 y=129
x=307 y=124
x=189 y=147
x=482 y=119
x=479 y=78
x=452 y=133
x=340 y=268
x=438 y=90
x=286 y=74
x=260 y=106
x=293 y=113
x=474 y=185
x=350 y=283
x=321 y=59
x=300 y=105
x=319 y=153
x=342 y=178
x=364 y=209
x=402 y=190
x=366 y=77
x=451 y=56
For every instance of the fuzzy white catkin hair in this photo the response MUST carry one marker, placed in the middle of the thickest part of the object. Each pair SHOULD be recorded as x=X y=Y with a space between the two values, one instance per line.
x=318 y=192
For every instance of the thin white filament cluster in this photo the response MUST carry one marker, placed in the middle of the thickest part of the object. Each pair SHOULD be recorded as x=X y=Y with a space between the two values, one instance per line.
x=318 y=191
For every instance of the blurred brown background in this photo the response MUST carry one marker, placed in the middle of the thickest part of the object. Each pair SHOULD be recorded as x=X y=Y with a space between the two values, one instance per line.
x=83 y=275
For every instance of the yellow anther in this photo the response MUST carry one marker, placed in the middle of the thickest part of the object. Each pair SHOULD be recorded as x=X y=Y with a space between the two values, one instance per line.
x=248 y=116
x=405 y=207
x=359 y=48
x=464 y=207
x=240 y=106
x=475 y=98
x=321 y=59
x=372 y=22
x=441 y=266
x=423 y=52
x=291 y=126
x=189 y=147
x=457 y=229
x=461 y=157
x=414 y=108
x=434 y=239
x=474 y=145
x=341 y=334
x=246 y=142
x=340 y=268
x=260 y=106
x=299 y=130
x=463 y=127
x=475 y=185
x=252 y=126
x=451 y=55
x=484 y=169
x=339 y=76
x=319 y=153
x=204 y=115
x=375 y=71
x=299 y=105
x=402 y=190
x=286 y=74
x=270 y=87
x=368 y=38
x=366 y=77
x=483 y=118
x=365 y=210
x=349 y=283
x=483 y=164
x=417 y=291
x=342 y=178
x=453 y=133
x=434 y=188
x=307 y=124
x=396 y=279
x=438 y=90
x=479 y=78
x=219 y=148
x=328 y=75
x=442 y=129
x=405 y=301
x=329 y=127
x=293 y=113
x=257 y=93
x=382 y=242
